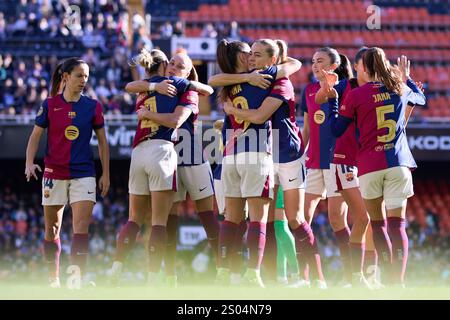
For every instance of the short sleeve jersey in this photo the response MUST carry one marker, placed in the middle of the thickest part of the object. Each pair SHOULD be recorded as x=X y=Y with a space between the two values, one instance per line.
x=69 y=131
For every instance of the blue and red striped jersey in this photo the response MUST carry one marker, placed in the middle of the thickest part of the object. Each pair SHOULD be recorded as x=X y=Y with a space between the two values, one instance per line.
x=380 y=119
x=189 y=131
x=69 y=130
x=321 y=142
x=156 y=102
x=247 y=136
x=287 y=143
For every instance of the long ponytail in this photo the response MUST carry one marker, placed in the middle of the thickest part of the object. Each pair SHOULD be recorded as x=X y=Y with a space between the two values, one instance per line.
x=65 y=66
x=282 y=51
x=56 y=80
x=227 y=58
x=344 y=70
x=379 y=68
x=150 y=61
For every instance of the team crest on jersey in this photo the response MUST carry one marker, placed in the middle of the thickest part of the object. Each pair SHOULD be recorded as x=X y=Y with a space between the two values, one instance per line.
x=349 y=176
x=41 y=111
x=319 y=117
x=71 y=133
x=72 y=114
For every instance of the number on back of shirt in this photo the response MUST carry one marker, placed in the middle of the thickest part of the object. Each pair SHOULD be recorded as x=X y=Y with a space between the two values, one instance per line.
x=241 y=103
x=150 y=104
x=382 y=122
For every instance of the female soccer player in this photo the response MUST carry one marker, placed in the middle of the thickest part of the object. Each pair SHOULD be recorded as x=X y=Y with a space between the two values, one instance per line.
x=194 y=172
x=244 y=179
x=279 y=107
x=150 y=134
x=384 y=159
x=69 y=174
x=236 y=256
x=321 y=145
x=344 y=176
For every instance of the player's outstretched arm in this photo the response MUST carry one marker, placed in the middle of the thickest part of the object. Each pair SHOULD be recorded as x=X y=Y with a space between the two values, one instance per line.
x=289 y=67
x=254 y=78
x=164 y=87
x=201 y=88
x=32 y=148
x=103 y=151
x=257 y=116
x=170 y=120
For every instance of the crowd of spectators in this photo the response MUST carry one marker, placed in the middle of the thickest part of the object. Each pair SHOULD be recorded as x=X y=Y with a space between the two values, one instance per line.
x=101 y=36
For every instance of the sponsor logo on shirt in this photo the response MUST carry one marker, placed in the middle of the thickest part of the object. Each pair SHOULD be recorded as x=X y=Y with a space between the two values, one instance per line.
x=71 y=133
x=319 y=117
x=387 y=146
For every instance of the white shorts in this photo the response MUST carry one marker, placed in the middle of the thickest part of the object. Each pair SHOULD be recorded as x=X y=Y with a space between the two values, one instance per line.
x=345 y=177
x=248 y=174
x=321 y=182
x=391 y=184
x=60 y=192
x=153 y=167
x=290 y=175
x=220 y=197
x=197 y=180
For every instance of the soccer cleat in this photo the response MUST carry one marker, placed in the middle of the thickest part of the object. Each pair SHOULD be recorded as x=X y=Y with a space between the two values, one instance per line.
x=172 y=281
x=54 y=283
x=282 y=281
x=235 y=279
x=359 y=281
x=222 y=277
x=252 y=278
x=319 y=284
x=114 y=273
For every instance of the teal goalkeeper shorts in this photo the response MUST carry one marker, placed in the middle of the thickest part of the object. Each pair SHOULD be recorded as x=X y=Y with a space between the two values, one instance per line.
x=280 y=199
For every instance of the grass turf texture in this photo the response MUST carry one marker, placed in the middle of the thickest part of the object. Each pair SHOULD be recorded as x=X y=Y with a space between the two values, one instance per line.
x=41 y=292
